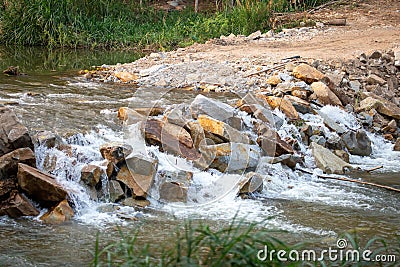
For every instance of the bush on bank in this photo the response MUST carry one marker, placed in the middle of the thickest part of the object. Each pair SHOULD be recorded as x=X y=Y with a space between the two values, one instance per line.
x=128 y=24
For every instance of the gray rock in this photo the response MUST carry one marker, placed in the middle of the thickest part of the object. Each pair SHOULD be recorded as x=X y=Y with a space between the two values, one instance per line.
x=331 y=124
x=397 y=58
x=138 y=174
x=179 y=115
x=320 y=140
x=357 y=143
x=355 y=86
x=233 y=157
x=376 y=55
x=115 y=191
x=173 y=192
x=212 y=108
x=327 y=161
x=253 y=183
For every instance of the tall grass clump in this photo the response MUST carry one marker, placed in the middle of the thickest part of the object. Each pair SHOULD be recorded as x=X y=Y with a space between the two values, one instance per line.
x=237 y=244
x=126 y=24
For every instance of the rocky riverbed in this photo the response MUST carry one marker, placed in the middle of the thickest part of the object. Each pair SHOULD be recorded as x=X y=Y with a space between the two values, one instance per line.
x=288 y=113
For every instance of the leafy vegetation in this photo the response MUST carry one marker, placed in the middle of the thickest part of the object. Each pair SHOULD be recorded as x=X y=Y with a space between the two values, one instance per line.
x=238 y=244
x=128 y=24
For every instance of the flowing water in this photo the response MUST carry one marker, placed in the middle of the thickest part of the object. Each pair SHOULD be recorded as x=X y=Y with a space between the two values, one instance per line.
x=52 y=97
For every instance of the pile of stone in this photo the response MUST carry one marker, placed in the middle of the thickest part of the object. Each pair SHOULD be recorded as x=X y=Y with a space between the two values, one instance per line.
x=19 y=178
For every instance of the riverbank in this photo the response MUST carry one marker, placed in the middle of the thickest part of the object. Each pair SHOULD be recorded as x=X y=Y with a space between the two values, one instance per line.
x=147 y=25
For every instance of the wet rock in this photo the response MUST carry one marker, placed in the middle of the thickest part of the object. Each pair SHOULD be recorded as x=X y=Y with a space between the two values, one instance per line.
x=173 y=192
x=12 y=71
x=17 y=205
x=179 y=115
x=282 y=104
x=6 y=187
x=13 y=134
x=48 y=139
x=9 y=162
x=233 y=157
x=58 y=214
x=116 y=192
x=180 y=177
x=115 y=152
x=129 y=116
x=342 y=154
x=138 y=174
x=252 y=183
x=38 y=185
x=396 y=146
x=299 y=104
x=170 y=138
x=331 y=124
x=324 y=95
x=357 y=143
x=320 y=140
x=135 y=203
x=273 y=145
x=91 y=174
x=307 y=73
x=212 y=108
x=391 y=127
x=383 y=106
x=285 y=159
x=222 y=130
x=327 y=161
x=375 y=79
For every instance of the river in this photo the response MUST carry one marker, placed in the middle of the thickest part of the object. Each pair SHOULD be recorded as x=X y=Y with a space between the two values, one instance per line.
x=52 y=97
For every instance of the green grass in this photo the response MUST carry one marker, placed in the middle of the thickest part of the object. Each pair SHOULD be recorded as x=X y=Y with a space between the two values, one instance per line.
x=126 y=24
x=237 y=244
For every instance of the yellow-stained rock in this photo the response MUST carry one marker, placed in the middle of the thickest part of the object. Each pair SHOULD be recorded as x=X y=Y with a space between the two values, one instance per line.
x=59 y=214
x=274 y=80
x=212 y=125
x=307 y=73
x=125 y=76
x=284 y=105
x=324 y=95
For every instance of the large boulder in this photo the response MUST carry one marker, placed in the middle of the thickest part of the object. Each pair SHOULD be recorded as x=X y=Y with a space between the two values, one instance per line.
x=170 y=138
x=233 y=157
x=222 y=130
x=327 y=161
x=17 y=205
x=13 y=134
x=138 y=174
x=58 y=214
x=9 y=162
x=39 y=186
x=324 y=95
x=214 y=109
x=307 y=73
x=383 y=106
x=357 y=142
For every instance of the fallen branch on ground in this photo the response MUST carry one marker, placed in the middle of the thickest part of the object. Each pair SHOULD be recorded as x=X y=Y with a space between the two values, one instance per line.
x=350 y=180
